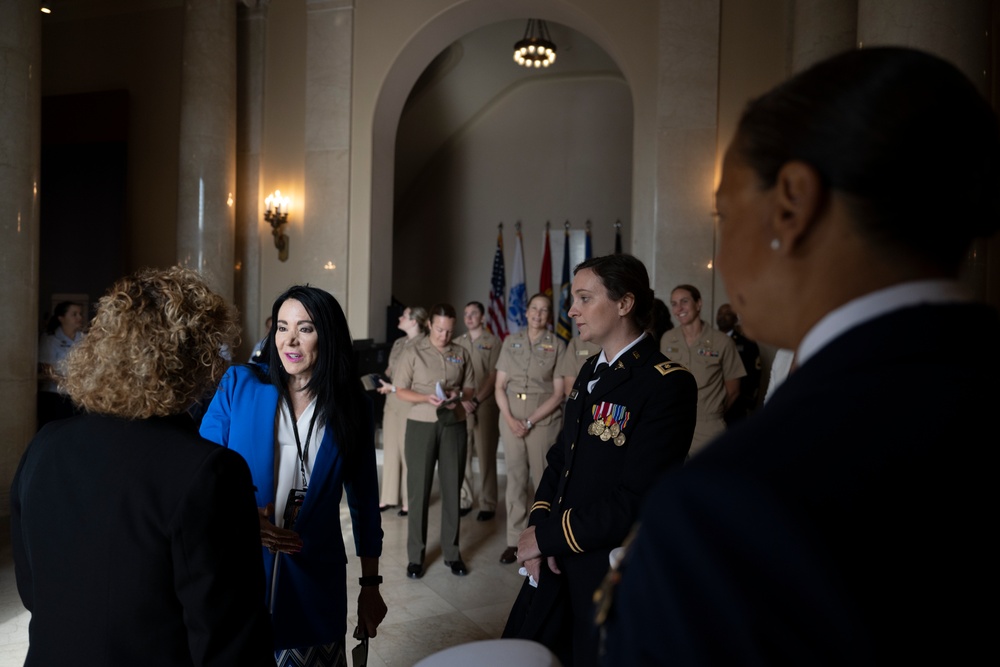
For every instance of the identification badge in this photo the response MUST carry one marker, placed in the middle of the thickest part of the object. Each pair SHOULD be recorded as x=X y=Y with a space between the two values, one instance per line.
x=292 y=507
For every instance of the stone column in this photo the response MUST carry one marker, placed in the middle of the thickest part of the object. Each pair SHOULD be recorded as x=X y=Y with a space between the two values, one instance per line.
x=959 y=32
x=20 y=154
x=324 y=253
x=206 y=188
x=822 y=28
x=687 y=129
x=250 y=226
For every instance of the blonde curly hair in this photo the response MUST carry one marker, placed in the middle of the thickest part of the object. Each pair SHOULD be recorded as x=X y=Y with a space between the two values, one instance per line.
x=154 y=347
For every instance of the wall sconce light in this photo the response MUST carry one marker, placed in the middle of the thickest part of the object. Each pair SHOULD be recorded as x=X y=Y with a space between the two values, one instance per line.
x=277 y=215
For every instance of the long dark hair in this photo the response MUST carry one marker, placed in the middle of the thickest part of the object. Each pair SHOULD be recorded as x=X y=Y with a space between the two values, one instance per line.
x=904 y=135
x=341 y=403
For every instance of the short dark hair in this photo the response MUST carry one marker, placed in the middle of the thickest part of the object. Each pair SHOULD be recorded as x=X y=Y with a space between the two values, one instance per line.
x=444 y=310
x=340 y=399
x=621 y=275
x=902 y=134
x=695 y=292
x=660 y=322
x=60 y=311
x=479 y=306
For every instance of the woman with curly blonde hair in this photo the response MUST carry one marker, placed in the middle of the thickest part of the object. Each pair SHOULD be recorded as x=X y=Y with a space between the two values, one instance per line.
x=132 y=535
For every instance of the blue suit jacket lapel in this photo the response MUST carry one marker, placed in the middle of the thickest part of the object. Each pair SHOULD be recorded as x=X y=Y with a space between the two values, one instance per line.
x=265 y=407
x=323 y=468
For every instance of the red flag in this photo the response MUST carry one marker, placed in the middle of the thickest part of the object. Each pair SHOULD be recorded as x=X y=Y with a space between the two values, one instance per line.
x=545 y=282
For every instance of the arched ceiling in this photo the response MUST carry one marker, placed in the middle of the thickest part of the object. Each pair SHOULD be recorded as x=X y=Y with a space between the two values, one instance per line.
x=471 y=75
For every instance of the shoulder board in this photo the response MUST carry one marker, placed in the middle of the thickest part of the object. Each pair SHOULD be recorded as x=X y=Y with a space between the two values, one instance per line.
x=668 y=367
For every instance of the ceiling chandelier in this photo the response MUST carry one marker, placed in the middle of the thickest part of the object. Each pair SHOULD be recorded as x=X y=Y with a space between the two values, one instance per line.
x=536 y=48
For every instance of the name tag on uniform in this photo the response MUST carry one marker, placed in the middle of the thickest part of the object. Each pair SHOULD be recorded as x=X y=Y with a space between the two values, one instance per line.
x=583 y=353
x=515 y=345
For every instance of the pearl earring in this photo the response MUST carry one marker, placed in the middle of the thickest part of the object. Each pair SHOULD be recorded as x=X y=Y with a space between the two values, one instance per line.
x=775 y=244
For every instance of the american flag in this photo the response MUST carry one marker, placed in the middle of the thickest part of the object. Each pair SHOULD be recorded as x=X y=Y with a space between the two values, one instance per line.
x=497 y=317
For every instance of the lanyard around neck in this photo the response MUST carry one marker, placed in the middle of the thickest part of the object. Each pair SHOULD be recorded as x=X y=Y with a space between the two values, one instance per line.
x=303 y=456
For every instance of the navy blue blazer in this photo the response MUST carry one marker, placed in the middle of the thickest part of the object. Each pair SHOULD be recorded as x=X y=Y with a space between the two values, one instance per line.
x=309 y=600
x=135 y=543
x=846 y=522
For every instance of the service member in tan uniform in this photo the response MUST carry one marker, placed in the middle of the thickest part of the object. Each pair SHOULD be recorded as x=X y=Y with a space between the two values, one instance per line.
x=530 y=397
x=712 y=358
x=433 y=374
x=577 y=353
x=482 y=415
x=413 y=322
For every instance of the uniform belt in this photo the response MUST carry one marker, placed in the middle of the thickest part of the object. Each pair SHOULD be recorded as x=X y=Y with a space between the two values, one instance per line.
x=523 y=397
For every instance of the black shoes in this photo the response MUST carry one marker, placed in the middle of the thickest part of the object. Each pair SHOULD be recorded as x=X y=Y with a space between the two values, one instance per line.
x=383 y=508
x=509 y=555
x=464 y=511
x=402 y=513
x=457 y=567
x=485 y=516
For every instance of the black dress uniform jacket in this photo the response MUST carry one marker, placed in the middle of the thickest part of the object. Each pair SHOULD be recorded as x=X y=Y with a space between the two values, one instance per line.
x=591 y=490
x=848 y=522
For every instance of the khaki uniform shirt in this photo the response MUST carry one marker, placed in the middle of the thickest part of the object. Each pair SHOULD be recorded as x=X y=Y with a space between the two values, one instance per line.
x=421 y=367
x=530 y=368
x=484 y=352
x=712 y=359
x=577 y=352
x=393 y=403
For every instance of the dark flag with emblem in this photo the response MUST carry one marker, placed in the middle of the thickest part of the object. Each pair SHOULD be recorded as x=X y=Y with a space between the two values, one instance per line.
x=564 y=328
x=545 y=281
x=497 y=317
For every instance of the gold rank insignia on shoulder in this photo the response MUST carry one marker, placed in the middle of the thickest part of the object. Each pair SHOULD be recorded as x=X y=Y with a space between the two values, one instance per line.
x=668 y=367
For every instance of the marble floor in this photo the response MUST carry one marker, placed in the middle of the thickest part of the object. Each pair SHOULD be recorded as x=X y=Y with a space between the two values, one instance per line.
x=425 y=615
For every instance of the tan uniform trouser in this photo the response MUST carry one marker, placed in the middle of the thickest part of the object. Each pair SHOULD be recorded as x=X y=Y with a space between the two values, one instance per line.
x=393 y=451
x=483 y=436
x=706 y=429
x=525 y=459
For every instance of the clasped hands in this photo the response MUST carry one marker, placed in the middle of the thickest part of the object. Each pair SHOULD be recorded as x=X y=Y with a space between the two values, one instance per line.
x=531 y=556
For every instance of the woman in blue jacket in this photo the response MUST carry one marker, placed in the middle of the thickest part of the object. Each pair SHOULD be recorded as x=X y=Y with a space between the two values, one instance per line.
x=303 y=423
